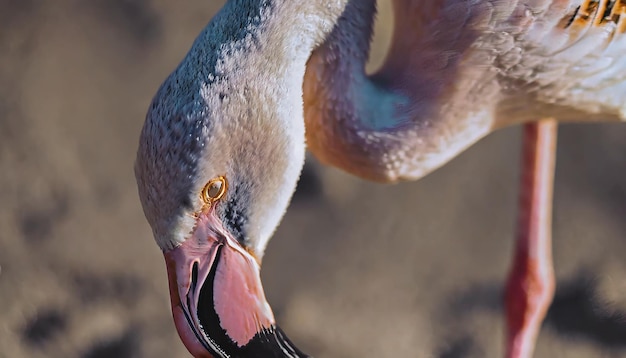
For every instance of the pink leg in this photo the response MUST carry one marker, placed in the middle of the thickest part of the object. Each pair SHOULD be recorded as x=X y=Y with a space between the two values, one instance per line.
x=530 y=286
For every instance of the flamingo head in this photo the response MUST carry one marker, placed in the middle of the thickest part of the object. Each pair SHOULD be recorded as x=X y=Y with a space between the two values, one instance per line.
x=214 y=182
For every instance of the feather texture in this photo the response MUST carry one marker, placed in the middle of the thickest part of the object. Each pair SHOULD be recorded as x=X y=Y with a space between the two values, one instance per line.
x=456 y=71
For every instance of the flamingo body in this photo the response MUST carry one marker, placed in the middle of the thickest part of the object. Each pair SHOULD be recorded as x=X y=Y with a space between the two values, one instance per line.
x=224 y=139
x=456 y=71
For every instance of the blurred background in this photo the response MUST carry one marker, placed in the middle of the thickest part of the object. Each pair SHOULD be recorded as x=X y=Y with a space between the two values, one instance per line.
x=356 y=269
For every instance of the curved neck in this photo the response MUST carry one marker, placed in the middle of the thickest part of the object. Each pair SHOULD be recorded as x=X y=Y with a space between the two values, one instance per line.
x=421 y=109
x=277 y=33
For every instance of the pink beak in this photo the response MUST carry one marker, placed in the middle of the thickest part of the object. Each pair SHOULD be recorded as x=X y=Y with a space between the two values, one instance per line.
x=216 y=293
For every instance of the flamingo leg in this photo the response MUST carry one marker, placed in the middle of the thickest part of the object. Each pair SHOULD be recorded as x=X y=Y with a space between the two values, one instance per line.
x=530 y=286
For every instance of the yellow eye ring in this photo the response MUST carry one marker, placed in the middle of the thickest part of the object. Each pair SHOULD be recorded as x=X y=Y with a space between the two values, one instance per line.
x=214 y=190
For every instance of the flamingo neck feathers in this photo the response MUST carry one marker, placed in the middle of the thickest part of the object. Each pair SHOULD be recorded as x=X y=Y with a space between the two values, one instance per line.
x=422 y=107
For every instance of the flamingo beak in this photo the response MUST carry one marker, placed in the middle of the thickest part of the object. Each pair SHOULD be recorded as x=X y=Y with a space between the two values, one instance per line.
x=216 y=294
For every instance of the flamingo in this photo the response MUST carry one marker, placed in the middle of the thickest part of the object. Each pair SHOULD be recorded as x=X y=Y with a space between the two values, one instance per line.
x=223 y=142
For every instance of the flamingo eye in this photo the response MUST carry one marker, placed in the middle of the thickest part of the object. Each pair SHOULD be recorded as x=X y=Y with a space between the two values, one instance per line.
x=214 y=190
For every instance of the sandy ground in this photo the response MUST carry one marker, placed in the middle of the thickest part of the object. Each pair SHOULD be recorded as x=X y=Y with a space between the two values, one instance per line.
x=356 y=269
